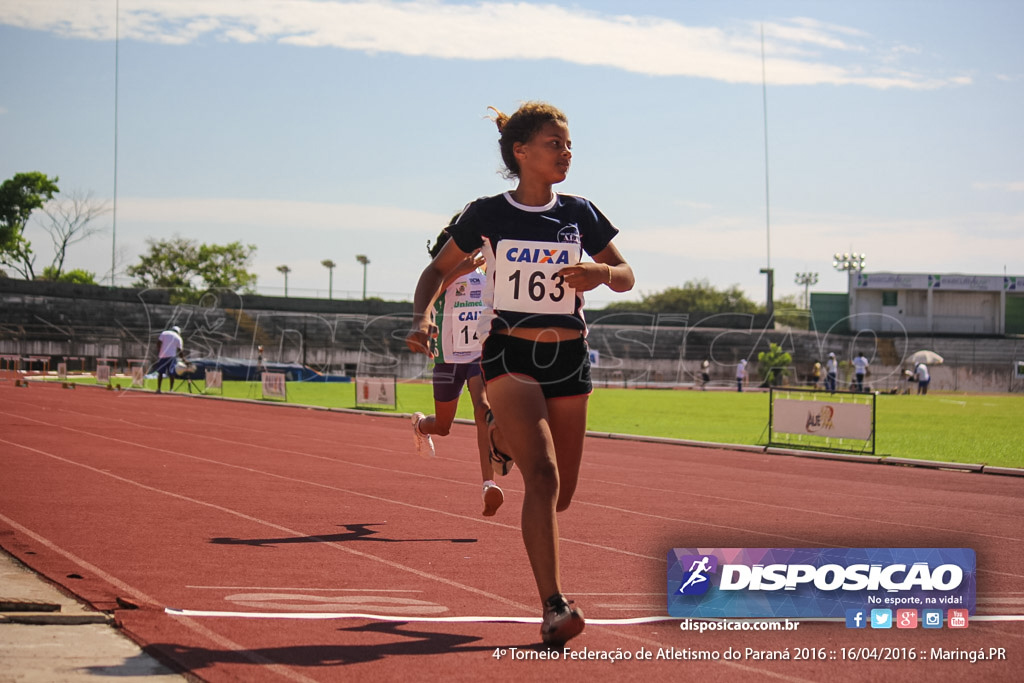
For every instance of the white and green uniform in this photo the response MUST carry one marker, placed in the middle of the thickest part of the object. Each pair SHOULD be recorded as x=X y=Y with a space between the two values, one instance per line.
x=455 y=313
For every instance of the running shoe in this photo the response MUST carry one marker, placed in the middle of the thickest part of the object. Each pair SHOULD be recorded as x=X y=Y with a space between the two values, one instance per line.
x=424 y=444
x=501 y=463
x=561 y=621
x=493 y=498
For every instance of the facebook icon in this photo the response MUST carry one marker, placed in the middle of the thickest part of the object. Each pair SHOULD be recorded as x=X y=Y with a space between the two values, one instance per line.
x=856 y=618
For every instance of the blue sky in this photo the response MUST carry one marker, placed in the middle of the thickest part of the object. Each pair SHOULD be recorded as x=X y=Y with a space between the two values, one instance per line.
x=327 y=129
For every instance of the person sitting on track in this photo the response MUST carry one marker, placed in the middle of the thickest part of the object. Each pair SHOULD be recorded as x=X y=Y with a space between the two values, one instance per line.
x=457 y=363
x=170 y=348
x=535 y=359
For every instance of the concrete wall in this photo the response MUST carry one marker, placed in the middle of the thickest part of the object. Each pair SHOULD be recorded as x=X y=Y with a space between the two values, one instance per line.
x=60 y=320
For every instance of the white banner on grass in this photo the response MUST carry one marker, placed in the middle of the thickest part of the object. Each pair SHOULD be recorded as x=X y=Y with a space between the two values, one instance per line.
x=138 y=376
x=376 y=391
x=274 y=385
x=62 y=370
x=822 y=418
x=103 y=374
x=214 y=379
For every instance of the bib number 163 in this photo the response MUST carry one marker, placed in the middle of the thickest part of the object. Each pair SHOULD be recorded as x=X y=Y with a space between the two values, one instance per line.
x=537 y=286
x=527 y=280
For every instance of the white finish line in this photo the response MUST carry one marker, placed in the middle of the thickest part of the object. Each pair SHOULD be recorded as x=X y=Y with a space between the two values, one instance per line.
x=382 y=617
x=498 y=620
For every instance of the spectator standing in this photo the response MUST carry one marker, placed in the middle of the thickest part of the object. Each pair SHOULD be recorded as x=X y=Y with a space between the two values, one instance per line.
x=923 y=378
x=831 y=372
x=705 y=374
x=741 y=373
x=860 y=369
x=816 y=374
x=170 y=348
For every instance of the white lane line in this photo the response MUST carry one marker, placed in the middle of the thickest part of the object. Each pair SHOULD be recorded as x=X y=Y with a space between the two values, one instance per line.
x=278 y=588
x=494 y=620
x=385 y=617
x=277 y=527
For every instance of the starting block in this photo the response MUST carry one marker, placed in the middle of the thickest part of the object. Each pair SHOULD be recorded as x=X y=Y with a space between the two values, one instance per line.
x=21 y=383
x=68 y=385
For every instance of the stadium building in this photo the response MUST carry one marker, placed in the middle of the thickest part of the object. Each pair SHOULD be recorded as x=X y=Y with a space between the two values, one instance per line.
x=924 y=304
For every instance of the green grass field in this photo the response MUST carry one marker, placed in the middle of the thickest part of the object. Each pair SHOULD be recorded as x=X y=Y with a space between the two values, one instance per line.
x=981 y=428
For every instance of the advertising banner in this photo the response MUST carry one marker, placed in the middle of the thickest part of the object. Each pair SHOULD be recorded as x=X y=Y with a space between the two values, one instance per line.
x=817 y=582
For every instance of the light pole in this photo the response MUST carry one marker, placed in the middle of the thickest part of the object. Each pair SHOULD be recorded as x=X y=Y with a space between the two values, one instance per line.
x=851 y=263
x=365 y=261
x=284 y=270
x=329 y=265
x=807 y=279
x=848 y=262
x=770 y=272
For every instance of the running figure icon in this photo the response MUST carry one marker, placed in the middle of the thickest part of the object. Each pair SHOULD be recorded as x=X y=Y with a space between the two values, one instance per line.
x=697 y=571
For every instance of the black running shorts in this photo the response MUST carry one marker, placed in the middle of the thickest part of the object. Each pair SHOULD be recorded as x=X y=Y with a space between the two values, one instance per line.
x=561 y=369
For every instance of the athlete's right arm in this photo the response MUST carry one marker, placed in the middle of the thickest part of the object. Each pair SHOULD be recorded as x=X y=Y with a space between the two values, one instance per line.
x=427 y=289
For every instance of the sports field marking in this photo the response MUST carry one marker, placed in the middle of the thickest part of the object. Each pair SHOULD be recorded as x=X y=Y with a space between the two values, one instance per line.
x=406 y=618
x=334 y=603
x=281 y=669
x=564 y=540
x=577 y=501
x=761 y=672
x=137 y=594
x=591 y=466
x=475 y=519
x=277 y=527
x=392 y=501
x=694 y=494
x=306 y=588
x=177 y=612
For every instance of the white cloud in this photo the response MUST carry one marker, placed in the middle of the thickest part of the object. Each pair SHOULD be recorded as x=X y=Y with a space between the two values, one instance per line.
x=279 y=214
x=1017 y=186
x=485 y=31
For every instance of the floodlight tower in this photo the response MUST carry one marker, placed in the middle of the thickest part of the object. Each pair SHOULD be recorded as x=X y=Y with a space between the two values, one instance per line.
x=284 y=270
x=807 y=279
x=329 y=265
x=365 y=261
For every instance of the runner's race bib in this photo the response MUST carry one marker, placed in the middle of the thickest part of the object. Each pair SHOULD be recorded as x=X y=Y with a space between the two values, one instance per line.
x=463 y=303
x=526 y=276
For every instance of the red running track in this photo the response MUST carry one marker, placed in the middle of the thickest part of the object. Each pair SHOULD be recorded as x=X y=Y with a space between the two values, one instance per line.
x=133 y=499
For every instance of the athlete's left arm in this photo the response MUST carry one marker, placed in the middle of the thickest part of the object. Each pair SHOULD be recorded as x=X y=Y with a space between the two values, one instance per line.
x=609 y=268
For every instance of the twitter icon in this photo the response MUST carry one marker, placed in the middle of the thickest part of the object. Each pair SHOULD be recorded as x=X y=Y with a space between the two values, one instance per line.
x=881 y=618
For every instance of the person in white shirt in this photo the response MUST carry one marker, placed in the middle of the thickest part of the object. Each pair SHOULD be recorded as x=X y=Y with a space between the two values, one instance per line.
x=923 y=378
x=860 y=368
x=741 y=373
x=831 y=372
x=170 y=349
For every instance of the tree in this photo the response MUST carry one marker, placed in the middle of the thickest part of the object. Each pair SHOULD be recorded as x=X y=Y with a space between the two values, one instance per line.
x=190 y=268
x=69 y=220
x=696 y=296
x=76 y=276
x=773 y=364
x=788 y=312
x=19 y=197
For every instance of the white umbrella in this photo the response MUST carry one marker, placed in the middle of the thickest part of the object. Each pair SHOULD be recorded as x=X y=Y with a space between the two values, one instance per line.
x=926 y=357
